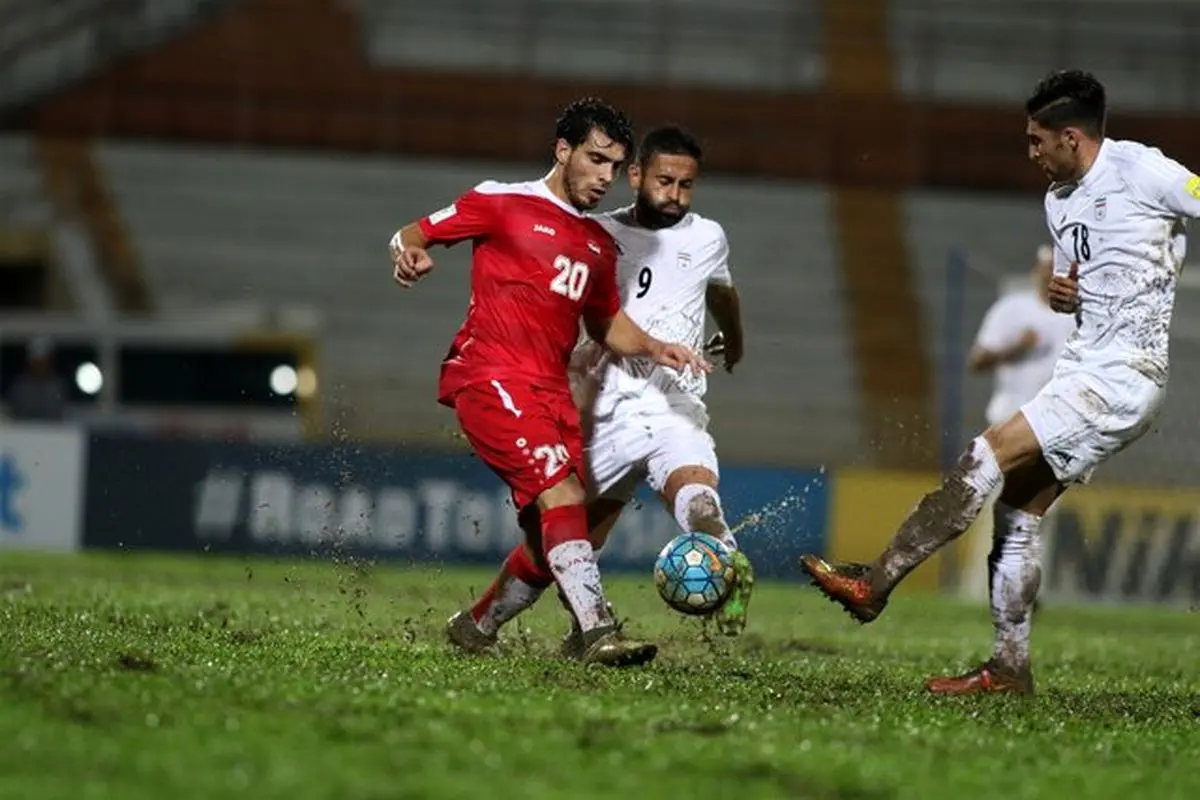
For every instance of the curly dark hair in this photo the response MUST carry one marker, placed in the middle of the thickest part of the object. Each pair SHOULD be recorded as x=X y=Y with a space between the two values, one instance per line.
x=1069 y=98
x=591 y=113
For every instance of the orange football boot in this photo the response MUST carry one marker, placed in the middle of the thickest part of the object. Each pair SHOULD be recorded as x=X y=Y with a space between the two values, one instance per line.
x=987 y=678
x=846 y=585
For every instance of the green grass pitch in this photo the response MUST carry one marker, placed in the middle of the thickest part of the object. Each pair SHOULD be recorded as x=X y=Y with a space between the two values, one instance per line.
x=133 y=676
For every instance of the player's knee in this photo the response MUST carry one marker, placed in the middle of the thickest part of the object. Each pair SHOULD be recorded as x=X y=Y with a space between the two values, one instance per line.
x=602 y=516
x=529 y=519
x=567 y=492
x=698 y=508
x=1013 y=443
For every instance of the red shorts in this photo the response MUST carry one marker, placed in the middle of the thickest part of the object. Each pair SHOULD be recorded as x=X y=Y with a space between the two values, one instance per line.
x=528 y=436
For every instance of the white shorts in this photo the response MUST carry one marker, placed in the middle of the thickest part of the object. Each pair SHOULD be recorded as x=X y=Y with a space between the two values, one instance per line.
x=1087 y=414
x=630 y=447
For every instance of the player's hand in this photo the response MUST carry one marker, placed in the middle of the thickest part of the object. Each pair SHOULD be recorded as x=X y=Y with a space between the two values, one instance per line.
x=717 y=345
x=679 y=358
x=409 y=264
x=1064 y=291
x=1020 y=348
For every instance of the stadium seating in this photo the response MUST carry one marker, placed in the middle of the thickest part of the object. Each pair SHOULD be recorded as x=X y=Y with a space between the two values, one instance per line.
x=49 y=45
x=988 y=52
x=224 y=226
x=21 y=201
x=762 y=43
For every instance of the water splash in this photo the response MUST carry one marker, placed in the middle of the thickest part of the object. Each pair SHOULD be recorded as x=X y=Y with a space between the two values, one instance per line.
x=775 y=512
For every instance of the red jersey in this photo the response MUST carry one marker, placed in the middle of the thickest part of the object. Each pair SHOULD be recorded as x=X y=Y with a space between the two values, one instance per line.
x=538 y=264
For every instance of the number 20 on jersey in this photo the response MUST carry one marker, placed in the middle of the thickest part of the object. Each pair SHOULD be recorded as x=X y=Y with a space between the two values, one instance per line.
x=571 y=279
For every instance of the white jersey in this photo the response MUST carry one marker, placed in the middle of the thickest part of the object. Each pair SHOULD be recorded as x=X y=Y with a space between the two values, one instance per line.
x=1123 y=223
x=1016 y=382
x=663 y=276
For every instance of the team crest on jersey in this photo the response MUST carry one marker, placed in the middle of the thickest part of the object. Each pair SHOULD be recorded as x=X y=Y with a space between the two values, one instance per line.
x=684 y=261
x=1101 y=207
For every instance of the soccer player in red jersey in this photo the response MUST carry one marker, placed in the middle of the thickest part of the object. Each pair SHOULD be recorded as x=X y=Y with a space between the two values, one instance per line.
x=538 y=265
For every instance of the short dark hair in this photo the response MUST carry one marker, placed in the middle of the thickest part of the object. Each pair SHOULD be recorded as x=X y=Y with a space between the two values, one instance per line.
x=591 y=113
x=670 y=140
x=1069 y=98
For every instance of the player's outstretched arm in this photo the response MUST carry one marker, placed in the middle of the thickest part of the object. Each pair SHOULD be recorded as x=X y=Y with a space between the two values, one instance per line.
x=726 y=308
x=982 y=359
x=1002 y=338
x=625 y=338
x=474 y=215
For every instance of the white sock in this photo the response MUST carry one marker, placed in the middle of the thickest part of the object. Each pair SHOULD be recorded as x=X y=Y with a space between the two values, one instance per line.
x=512 y=597
x=562 y=598
x=981 y=472
x=940 y=517
x=698 y=508
x=578 y=577
x=1015 y=565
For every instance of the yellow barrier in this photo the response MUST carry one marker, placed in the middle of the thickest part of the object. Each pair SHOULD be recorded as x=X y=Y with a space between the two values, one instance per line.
x=1124 y=544
x=868 y=507
x=1109 y=543
x=1112 y=543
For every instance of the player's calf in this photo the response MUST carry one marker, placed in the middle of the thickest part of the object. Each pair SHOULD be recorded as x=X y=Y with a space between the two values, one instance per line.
x=698 y=508
x=573 y=564
x=518 y=586
x=1015 y=571
x=940 y=517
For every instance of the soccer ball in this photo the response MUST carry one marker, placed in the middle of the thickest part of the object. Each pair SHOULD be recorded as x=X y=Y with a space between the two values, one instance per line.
x=694 y=573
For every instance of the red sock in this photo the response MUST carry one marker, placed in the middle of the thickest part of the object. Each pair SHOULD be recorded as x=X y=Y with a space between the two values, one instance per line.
x=517 y=587
x=569 y=553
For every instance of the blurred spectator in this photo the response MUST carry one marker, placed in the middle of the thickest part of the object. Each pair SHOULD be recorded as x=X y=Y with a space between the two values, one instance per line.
x=1020 y=340
x=38 y=392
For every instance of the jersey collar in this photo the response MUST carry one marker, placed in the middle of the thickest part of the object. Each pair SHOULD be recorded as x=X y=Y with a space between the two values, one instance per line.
x=542 y=189
x=624 y=216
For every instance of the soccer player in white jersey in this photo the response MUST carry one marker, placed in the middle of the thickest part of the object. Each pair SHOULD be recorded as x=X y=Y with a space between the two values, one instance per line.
x=1018 y=342
x=1116 y=211
x=647 y=424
